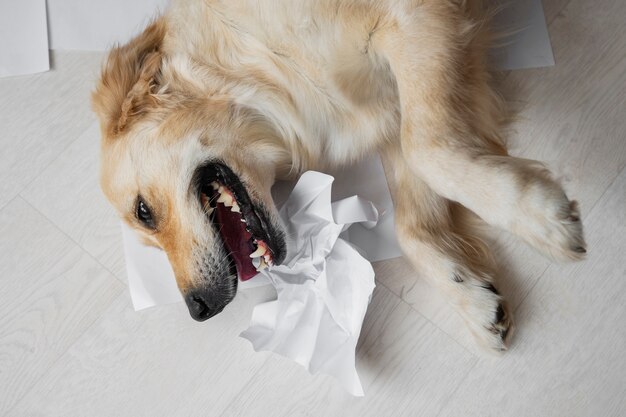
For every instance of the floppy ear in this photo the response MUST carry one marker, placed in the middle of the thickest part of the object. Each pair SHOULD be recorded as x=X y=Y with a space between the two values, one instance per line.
x=129 y=79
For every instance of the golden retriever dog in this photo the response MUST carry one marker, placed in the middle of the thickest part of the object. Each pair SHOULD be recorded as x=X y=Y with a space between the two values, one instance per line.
x=216 y=100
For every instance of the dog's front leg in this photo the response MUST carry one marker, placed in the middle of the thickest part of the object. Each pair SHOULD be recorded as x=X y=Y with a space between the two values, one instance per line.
x=448 y=140
x=458 y=265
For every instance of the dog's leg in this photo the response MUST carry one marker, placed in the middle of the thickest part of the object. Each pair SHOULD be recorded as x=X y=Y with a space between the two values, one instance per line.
x=449 y=142
x=460 y=266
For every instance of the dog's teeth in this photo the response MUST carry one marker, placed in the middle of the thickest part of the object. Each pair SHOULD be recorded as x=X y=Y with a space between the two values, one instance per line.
x=235 y=207
x=215 y=185
x=268 y=258
x=262 y=266
x=242 y=220
x=226 y=199
x=260 y=251
x=256 y=262
x=220 y=189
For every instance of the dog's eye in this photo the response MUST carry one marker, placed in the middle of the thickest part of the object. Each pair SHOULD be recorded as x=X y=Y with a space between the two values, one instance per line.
x=144 y=215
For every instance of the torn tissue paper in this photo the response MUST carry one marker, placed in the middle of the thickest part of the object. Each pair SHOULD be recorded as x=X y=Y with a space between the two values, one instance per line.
x=324 y=285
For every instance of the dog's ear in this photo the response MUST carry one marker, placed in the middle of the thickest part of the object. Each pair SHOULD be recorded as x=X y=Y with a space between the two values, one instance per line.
x=129 y=81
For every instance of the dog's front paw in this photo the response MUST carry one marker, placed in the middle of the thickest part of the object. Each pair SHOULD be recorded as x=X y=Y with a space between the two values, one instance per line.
x=501 y=329
x=486 y=314
x=568 y=236
x=551 y=222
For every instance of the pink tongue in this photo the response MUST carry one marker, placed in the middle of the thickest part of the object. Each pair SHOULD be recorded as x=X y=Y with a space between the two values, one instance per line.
x=237 y=241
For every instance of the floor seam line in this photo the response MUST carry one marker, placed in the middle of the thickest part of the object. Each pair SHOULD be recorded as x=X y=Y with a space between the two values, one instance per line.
x=51 y=365
x=92 y=257
x=453 y=393
x=3 y=206
x=246 y=384
x=56 y=158
x=428 y=320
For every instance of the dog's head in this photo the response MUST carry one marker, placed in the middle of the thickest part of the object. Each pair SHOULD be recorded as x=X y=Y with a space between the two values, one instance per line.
x=190 y=171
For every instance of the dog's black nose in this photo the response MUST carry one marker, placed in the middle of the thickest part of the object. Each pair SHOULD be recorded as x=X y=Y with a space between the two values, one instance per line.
x=202 y=306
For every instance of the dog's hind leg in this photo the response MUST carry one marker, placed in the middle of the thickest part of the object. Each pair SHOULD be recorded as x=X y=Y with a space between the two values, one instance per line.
x=458 y=265
x=450 y=140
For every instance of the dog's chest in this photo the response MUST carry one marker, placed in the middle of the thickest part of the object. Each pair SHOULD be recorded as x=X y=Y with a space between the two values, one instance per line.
x=305 y=64
x=340 y=99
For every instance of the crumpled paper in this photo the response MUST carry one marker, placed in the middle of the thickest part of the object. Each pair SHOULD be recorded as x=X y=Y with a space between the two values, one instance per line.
x=324 y=285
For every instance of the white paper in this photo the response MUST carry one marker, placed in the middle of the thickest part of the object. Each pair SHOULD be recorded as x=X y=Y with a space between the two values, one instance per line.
x=151 y=280
x=23 y=37
x=528 y=45
x=324 y=285
x=367 y=180
x=96 y=24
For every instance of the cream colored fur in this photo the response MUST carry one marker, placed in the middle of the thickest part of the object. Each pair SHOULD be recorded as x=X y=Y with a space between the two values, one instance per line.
x=275 y=87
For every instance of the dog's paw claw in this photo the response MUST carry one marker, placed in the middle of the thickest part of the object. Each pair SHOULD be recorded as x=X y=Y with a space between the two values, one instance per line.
x=487 y=315
x=568 y=233
x=556 y=227
x=501 y=328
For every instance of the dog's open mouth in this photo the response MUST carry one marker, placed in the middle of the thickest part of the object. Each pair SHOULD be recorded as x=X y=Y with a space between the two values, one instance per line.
x=246 y=233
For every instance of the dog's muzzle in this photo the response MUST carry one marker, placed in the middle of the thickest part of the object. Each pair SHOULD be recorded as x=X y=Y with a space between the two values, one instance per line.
x=204 y=304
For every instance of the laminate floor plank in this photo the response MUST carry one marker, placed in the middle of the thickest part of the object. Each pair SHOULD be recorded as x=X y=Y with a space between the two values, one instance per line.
x=52 y=291
x=568 y=359
x=41 y=115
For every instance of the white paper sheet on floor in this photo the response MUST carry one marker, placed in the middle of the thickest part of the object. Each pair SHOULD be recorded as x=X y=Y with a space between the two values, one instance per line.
x=23 y=37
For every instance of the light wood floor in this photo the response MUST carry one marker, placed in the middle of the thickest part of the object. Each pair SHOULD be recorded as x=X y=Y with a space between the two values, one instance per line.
x=71 y=344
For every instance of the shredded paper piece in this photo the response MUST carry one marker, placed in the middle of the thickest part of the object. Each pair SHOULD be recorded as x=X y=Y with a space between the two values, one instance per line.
x=324 y=285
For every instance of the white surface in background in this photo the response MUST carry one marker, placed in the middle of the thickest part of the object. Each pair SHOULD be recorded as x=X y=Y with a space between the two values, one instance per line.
x=97 y=24
x=23 y=37
x=529 y=44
